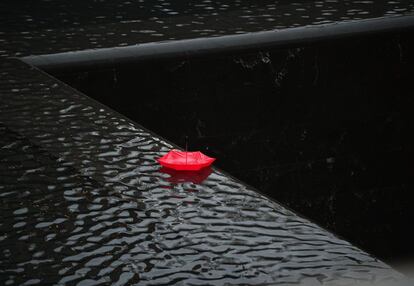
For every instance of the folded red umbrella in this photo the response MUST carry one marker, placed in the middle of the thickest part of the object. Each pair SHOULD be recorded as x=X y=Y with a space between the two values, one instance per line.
x=189 y=161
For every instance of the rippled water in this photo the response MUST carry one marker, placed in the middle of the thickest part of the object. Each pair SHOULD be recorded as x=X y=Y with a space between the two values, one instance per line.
x=84 y=202
x=265 y=116
x=57 y=26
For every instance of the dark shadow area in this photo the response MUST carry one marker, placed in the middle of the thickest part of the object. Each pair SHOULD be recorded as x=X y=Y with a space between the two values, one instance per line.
x=325 y=129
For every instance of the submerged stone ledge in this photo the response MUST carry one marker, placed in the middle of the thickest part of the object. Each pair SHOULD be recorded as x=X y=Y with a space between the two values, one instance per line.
x=229 y=44
x=83 y=202
x=61 y=26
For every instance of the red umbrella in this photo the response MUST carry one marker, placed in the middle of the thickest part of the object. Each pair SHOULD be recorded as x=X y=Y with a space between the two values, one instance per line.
x=185 y=161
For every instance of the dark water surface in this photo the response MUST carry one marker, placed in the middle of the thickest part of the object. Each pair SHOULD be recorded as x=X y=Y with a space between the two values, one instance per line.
x=57 y=26
x=84 y=202
x=326 y=129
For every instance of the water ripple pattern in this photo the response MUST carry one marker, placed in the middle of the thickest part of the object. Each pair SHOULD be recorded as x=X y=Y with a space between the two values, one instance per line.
x=59 y=26
x=83 y=202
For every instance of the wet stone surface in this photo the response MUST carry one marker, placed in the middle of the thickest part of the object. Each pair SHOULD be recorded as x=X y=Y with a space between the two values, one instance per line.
x=59 y=26
x=83 y=202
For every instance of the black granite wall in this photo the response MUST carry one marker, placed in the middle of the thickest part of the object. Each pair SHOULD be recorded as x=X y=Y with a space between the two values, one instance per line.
x=325 y=129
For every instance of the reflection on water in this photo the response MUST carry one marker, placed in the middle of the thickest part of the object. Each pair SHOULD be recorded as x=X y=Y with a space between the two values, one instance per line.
x=326 y=129
x=55 y=26
x=196 y=177
x=83 y=202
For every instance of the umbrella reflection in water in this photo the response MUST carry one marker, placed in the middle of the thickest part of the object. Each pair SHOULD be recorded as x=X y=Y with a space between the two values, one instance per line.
x=196 y=177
